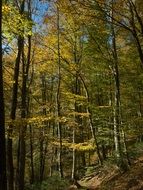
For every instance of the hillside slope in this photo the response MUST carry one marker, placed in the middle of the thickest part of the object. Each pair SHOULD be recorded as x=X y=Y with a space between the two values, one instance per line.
x=110 y=178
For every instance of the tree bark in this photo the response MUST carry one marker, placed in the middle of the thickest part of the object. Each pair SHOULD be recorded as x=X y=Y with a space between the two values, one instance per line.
x=32 y=177
x=10 y=166
x=117 y=120
x=116 y=116
x=3 y=181
x=92 y=127
x=58 y=99
x=22 y=145
x=43 y=138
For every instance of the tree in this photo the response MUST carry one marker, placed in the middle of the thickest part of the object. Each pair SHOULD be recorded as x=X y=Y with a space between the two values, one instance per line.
x=73 y=87
x=10 y=166
x=3 y=182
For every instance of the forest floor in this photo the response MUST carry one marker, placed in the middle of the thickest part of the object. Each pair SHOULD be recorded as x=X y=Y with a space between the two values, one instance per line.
x=111 y=178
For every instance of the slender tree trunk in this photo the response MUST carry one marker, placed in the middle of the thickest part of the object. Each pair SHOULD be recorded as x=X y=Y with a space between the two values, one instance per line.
x=3 y=182
x=73 y=158
x=43 y=138
x=42 y=129
x=117 y=115
x=13 y=117
x=140 y=113
x=76 y=91
x=117 y=103
x=58 y=99
x=134 y=14
x=92 y=127
x=126 y=152
x=31 y=156
x=22 y=145
x=26 y=60
x=31 y=131
x=10 y=167
x=22 y=148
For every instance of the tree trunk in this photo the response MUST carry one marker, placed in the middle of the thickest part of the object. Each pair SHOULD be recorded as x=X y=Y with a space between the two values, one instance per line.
x=31 y=156
x=134 y=13
x=92 y=127
x=73 y=158
x=117 y=112
x=10 y=167
x=116 y=99
x=22 y=145
x=13 y=117
x=58 y=100
x=43 y=138
x=3 y=182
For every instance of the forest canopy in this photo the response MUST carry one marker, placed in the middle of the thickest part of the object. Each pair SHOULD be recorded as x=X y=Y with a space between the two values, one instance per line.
x=71 y=89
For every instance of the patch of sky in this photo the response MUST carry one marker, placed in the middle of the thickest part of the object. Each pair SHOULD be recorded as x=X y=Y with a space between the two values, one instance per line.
x=39 y=10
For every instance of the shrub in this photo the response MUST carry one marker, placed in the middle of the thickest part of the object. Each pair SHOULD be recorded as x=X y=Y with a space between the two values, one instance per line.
x=51 y=183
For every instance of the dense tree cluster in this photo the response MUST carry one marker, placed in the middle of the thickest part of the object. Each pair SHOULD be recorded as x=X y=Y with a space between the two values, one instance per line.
x=71 y=88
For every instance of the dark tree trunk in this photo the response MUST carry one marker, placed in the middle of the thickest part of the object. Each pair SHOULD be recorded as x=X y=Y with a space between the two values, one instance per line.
x=135 y=17
x=3 y=182
x=43 y=139
x=10 y=167
x=24 y=108
x=22 y=145
x=13 y=116
x=31 y=155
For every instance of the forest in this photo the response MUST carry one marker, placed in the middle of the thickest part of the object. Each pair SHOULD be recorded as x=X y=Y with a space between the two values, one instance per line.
x=71 y=93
